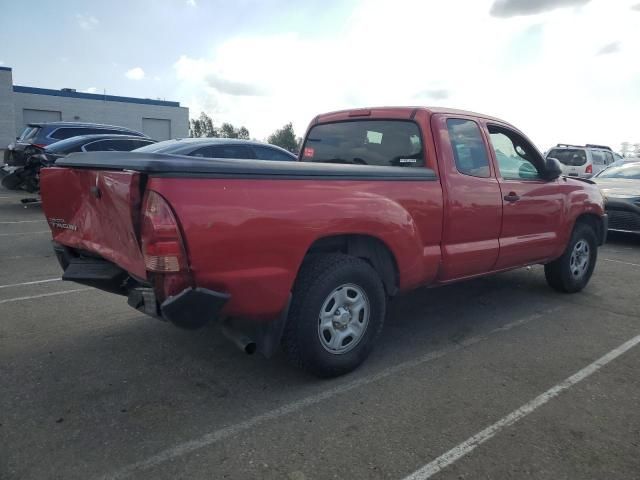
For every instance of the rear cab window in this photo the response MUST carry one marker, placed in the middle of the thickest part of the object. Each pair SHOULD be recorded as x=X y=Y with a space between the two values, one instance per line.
x=365 y=142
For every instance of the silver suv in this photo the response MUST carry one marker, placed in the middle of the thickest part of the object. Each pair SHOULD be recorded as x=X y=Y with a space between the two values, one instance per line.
x=582 y=160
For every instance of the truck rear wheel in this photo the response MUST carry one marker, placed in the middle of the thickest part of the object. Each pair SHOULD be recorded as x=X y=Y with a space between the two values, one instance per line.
x=336 y=314
x=571 y=272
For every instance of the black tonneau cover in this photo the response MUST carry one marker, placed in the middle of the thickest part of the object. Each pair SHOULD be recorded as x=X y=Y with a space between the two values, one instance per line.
x=157 y=164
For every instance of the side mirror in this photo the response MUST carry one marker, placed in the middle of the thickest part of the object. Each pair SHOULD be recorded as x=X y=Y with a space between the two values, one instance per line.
x=553 y=168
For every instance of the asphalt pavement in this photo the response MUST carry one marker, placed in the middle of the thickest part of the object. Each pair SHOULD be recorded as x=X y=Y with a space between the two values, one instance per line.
x=495 y=378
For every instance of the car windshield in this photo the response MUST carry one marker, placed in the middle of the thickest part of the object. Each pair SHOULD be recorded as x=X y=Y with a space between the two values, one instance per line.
x=62 y=146
x=28 y=133
x=573 y=157
x=628 y=171
x=167 y=146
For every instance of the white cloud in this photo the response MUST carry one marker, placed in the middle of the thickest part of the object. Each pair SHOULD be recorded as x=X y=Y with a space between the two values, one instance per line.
x=512 y=8
x=86 y=22
x=135 y=73
x=91 y=90
x=192 y=3
x=541 y=73
x=1 y=62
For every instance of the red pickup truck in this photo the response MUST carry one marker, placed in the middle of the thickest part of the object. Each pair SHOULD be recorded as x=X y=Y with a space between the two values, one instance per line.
x=305 y=255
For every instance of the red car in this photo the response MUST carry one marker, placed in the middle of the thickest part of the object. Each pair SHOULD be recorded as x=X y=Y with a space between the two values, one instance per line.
x=306 y=254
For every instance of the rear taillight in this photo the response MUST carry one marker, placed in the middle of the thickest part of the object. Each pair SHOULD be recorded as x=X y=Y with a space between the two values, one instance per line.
x=589 y=169
x=162 y=245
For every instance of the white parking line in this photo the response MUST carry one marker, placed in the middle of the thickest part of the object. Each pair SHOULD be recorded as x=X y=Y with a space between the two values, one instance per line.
x=231 y=430
x=471 y=443
x=620 y=261
x=52 y=294
x=35 y=282
x=23 y=233
x=22 y=221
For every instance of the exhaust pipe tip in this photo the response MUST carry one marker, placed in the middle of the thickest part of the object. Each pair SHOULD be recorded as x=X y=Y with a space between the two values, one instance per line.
x=250 y=348
x=240 y=340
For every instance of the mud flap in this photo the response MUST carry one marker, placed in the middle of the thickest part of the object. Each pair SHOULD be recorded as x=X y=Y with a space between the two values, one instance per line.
x=193 y=307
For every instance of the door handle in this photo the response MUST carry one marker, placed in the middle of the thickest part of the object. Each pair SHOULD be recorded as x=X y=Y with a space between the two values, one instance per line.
x=512 y=197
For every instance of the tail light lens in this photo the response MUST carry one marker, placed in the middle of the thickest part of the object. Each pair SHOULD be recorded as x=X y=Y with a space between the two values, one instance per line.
x=162 y=245
x=589 y=169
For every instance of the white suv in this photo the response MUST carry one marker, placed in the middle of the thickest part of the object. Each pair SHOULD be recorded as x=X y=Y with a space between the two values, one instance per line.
x=582 y=161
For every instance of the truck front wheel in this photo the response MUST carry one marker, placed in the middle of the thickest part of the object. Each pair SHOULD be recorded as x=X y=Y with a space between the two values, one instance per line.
x=571 y=272
x=337 y=311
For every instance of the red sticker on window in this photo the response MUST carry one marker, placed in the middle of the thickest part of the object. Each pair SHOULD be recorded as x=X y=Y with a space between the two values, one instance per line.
x=308 y=152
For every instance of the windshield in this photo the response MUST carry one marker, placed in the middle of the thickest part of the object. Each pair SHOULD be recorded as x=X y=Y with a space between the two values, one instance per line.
x=573 y=157
x=62 y=146
x=628 y=171
x=28 y=133
x=365 y=142
x=167 y=146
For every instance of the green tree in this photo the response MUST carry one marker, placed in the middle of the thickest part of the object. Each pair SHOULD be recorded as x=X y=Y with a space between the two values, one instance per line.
x=202 y=127
x=227 y=130
x=625 y=149
x=285 y=137
x=208 y=129
x=243 y=133
x=195 y=128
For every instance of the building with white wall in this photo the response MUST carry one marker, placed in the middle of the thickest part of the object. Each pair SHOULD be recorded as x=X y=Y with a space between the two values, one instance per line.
x=20 y=105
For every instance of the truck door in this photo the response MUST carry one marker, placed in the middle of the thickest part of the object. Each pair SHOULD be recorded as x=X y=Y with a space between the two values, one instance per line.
x=472 y=198
x=532 y=206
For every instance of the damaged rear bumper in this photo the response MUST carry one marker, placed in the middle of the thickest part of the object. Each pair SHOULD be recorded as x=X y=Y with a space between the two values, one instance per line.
x=191 y=308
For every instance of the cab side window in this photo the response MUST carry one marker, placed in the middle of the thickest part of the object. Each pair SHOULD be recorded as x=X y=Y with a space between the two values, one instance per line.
x=517 y=158
x=469 y=150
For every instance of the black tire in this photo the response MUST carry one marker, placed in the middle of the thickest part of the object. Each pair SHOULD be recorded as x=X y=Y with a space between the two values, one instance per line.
x=12 y=181
x=320 y=277
x=559 y=273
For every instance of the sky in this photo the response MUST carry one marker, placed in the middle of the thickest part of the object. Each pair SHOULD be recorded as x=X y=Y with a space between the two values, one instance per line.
x=563 y=71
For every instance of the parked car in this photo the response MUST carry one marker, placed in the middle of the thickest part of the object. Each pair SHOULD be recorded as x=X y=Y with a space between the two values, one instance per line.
x=95 y=143
x=27 y=177
x=621 y=189
x=42 y=134
x=582 y=161
x=623 y=161
x=220 y=148
x=306 y=254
